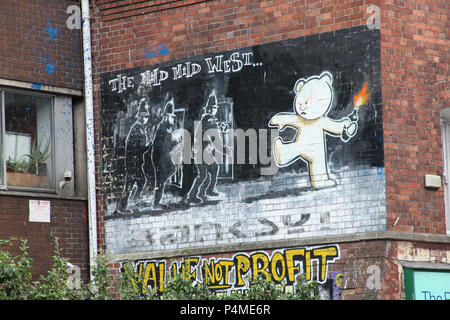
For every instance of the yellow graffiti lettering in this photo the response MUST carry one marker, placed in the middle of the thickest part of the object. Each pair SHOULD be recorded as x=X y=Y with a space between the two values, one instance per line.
x=162 y=271
x=150 y=268
x=224 y=273
x=323 y=255
x=278 y=265
x=308 y=265
x=189 y=268
x=338 y=280
x=216 y=274
x=141 y=277
x=174 y=269
x=128 y=269
x=227 y=265
x=177 y=269
x=262 y=267
x=208 y=271
x=292 y=267
x=242 y=263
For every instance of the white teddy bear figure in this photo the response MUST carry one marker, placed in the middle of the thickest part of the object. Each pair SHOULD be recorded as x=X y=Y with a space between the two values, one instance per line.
x=313 y=100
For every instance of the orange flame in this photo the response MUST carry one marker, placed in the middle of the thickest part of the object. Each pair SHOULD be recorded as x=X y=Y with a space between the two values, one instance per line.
x=361 y=98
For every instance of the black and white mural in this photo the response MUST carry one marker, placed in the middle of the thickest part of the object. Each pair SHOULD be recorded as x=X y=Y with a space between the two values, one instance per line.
x=231 y=133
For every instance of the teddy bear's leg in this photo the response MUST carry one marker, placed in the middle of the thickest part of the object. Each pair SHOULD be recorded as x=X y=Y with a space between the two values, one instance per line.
x=319 y=174
x=284 y=152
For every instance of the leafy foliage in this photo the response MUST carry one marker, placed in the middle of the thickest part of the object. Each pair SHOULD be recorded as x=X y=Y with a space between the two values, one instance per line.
x=16 y=283
x=99 y=287
x=54 y=285
x=15 y=272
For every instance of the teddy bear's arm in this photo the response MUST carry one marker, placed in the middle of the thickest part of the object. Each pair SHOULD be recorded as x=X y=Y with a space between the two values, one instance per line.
x=284 y=119
x=335 y=126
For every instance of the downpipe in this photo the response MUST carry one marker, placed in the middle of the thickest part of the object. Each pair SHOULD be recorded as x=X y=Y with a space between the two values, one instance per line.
x=90 y=142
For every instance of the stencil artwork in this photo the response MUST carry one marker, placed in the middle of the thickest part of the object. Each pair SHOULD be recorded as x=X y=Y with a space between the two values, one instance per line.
x=150 y=171
x=204 y=186
x=137 y=137
x=312 y=102
x=163 y=144
x=276 y=141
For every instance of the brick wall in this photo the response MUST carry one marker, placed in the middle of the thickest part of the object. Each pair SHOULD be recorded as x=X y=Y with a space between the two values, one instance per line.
x=392 y=284
x=414 y=91
x=68 y=222
x=414 y=58
x=37 y=46
x=122 y=33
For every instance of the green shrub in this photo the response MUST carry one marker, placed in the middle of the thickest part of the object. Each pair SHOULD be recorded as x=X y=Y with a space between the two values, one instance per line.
x=54 y=285
x=16 y=283
x=15 y=272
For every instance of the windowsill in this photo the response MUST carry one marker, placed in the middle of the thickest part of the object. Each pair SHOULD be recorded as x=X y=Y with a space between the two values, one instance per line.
x=40 y=194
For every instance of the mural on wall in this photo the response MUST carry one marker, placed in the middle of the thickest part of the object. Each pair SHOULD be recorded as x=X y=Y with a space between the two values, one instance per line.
x=154 y=168
x=312 y=102
x=234 y=132
x=212 y=147
x=235 y=273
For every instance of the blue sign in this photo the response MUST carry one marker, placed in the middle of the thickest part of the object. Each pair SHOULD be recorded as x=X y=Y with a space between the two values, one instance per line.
x=431 y=285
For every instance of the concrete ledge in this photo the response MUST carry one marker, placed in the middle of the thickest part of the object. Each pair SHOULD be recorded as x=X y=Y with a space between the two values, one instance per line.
x=40 y=87
x=39 y=194
x=354 y=237
x=425 y=265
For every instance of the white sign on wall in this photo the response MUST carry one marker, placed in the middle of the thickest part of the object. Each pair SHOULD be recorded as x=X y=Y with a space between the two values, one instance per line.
x=39 y=211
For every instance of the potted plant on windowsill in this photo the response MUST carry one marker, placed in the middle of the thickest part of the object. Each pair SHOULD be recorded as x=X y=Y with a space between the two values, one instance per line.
x=19 y=175
x=19 y=166
x=30 y=170
x=38 y=157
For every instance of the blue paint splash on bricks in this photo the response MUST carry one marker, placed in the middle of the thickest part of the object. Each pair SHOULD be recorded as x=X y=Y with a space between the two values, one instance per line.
x=49 y=65
x=36 y=85
x=52 y=32
x=162 y=51
x=150 y=54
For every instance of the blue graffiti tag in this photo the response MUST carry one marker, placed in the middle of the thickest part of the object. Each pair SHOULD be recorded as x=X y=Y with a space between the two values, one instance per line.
x=162 y=51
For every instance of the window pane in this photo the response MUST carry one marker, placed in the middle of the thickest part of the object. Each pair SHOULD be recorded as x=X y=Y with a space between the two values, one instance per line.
x=28 y=140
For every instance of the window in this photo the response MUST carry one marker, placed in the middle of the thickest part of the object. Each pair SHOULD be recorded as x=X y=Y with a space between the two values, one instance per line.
x=27 y=141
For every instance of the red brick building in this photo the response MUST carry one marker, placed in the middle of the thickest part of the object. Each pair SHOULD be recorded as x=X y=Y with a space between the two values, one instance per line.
x=43 y=157
x=235 y=138
x=362 y=210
